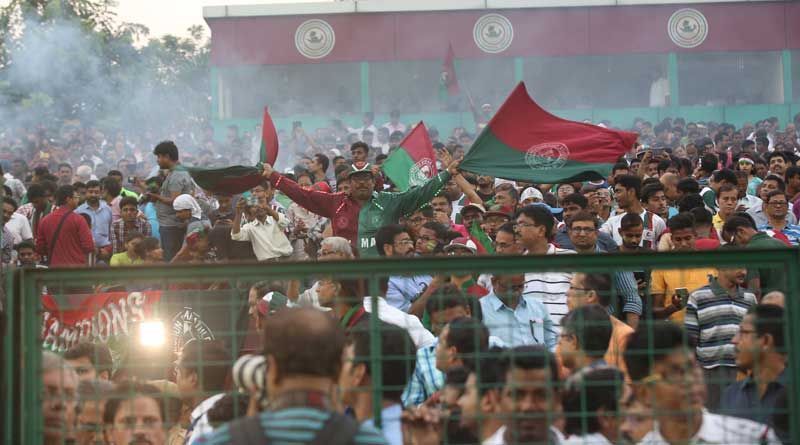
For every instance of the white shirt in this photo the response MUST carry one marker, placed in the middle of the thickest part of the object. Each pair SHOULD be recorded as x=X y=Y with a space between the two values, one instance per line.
x=587 y=439
x=659 y=90
x=498 y=437
x=410 y=323
x=550 y=289
x=198 y=420
x=20 y=227
x=722 y=430
x=393 y=128
x=750 y=201
x=651 y=234
x=268 y=239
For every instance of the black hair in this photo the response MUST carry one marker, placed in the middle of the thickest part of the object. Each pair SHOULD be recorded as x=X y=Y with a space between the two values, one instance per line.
x=36 y=191
x=127 y=391
x=630 y=182
x=531 y=357
x=114 y=173
x=112 y=187
x=167 y=148
x=702 y=217
x=128 y=200
x=690 y=202
x=725 y=175
x=456 y=376
x=768 y=319
x=584 y=215
x=228 y=408
x=446 y=297
x=650 y=190
x=470 y=338
x=506 y=187
x=541 y=216
x=209 y=360
x=619 y=166
x=575 y=198
x=596 y=389
x=602 y=285
x=508 y=228
x=63 y=193
x=708 y=163
x=323 y=161
x=792 y=171
x=591 y=326
x=688 y=186
x=778 y=179
x=98 y=354
x=360 y=144
x=438 y=228
x=92 y=183
x=25 y=244
x=399 y=356
x=630 y=220
x=386 y=234
x=10 y=201
x=681 y=221
x=651 y=343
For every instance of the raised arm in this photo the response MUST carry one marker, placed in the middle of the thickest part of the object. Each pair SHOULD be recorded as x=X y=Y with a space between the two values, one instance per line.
x=321 y=203
x=416 y=197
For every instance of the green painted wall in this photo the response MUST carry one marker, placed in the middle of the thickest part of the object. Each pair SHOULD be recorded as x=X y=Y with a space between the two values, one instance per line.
x=619 y=117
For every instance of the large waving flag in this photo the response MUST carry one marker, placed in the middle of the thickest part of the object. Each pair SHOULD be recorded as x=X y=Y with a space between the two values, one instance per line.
x=523 y=142
x=238 y=179
x=413 y=162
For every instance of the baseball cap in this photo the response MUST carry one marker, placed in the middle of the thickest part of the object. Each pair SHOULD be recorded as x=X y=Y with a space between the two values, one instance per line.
x=272 y=302
x=472 y=206
x=498 y=210
x=360 y=167
x=553 y=210
x=461 y=243
x=531 y=192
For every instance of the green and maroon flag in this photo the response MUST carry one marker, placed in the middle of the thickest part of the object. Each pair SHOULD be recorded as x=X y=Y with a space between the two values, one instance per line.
x=523 y=142
x=413 y=163
x=238 y=178
x=448 y=83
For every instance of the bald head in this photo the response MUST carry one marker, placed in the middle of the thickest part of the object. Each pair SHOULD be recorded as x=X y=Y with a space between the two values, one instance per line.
x=670 y=183
x=775 y=297
x=304 y=342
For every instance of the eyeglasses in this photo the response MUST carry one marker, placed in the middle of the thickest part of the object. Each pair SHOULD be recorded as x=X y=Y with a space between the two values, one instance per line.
x=524 y=224
x=778 y=203
x=582 y=229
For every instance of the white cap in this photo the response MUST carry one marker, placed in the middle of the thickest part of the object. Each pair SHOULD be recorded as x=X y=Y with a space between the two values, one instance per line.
x=531 y=192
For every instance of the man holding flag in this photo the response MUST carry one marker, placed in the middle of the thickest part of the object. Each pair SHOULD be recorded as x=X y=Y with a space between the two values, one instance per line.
x=357 y=216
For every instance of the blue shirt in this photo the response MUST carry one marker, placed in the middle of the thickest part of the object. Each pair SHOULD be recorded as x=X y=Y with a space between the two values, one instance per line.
x=101 y=222
x=527 y=324
x=741 y=399
x=390 y=424
x=402 y=290
x=426 y=379
x=149 y=211
x=792 y=232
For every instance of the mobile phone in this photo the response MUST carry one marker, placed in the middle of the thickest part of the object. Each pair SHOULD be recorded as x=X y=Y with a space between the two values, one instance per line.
x=683 y=293
x=131 y=179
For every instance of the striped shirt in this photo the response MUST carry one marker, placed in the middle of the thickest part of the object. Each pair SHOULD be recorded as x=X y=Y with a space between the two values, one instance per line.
x=722 y=430
x=426 y=379
x=791 y=231
x=293 y=425
x=712 y=320
x=550 y=289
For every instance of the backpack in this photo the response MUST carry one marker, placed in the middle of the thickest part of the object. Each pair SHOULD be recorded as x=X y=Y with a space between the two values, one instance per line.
x=339 y=429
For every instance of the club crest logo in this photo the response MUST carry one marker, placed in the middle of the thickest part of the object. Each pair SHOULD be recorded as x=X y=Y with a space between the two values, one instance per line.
x=186 y=326
x=420 y=172
x=493 y=33
x=547 y=156
x=314 y=38
x=687 y=28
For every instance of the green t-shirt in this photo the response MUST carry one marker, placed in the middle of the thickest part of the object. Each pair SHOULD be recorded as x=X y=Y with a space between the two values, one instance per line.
x=122 y=259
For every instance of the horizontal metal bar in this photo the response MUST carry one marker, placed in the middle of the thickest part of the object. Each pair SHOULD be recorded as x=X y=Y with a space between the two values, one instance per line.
x=421 y=265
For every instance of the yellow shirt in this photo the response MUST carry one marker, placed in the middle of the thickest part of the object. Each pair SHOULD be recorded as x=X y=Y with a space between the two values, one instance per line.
x=666 y=281
x=122 y=259
x=717 y=222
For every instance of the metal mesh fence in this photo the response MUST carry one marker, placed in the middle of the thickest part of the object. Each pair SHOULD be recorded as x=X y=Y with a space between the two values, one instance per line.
x=430 y=350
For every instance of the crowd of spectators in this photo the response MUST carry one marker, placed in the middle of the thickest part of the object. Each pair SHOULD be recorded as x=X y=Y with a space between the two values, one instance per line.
x=685 y=355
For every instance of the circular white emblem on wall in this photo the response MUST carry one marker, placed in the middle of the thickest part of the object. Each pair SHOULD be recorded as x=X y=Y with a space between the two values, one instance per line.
x=687 y=28
x=493 y=33
x=547 y=155
x=314 y=38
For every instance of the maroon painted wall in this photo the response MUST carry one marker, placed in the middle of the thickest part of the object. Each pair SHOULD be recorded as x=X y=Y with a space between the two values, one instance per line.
x=548 y=31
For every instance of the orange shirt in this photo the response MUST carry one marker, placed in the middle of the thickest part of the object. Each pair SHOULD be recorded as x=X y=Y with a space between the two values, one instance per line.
x=666 y=281
x=616 y=346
